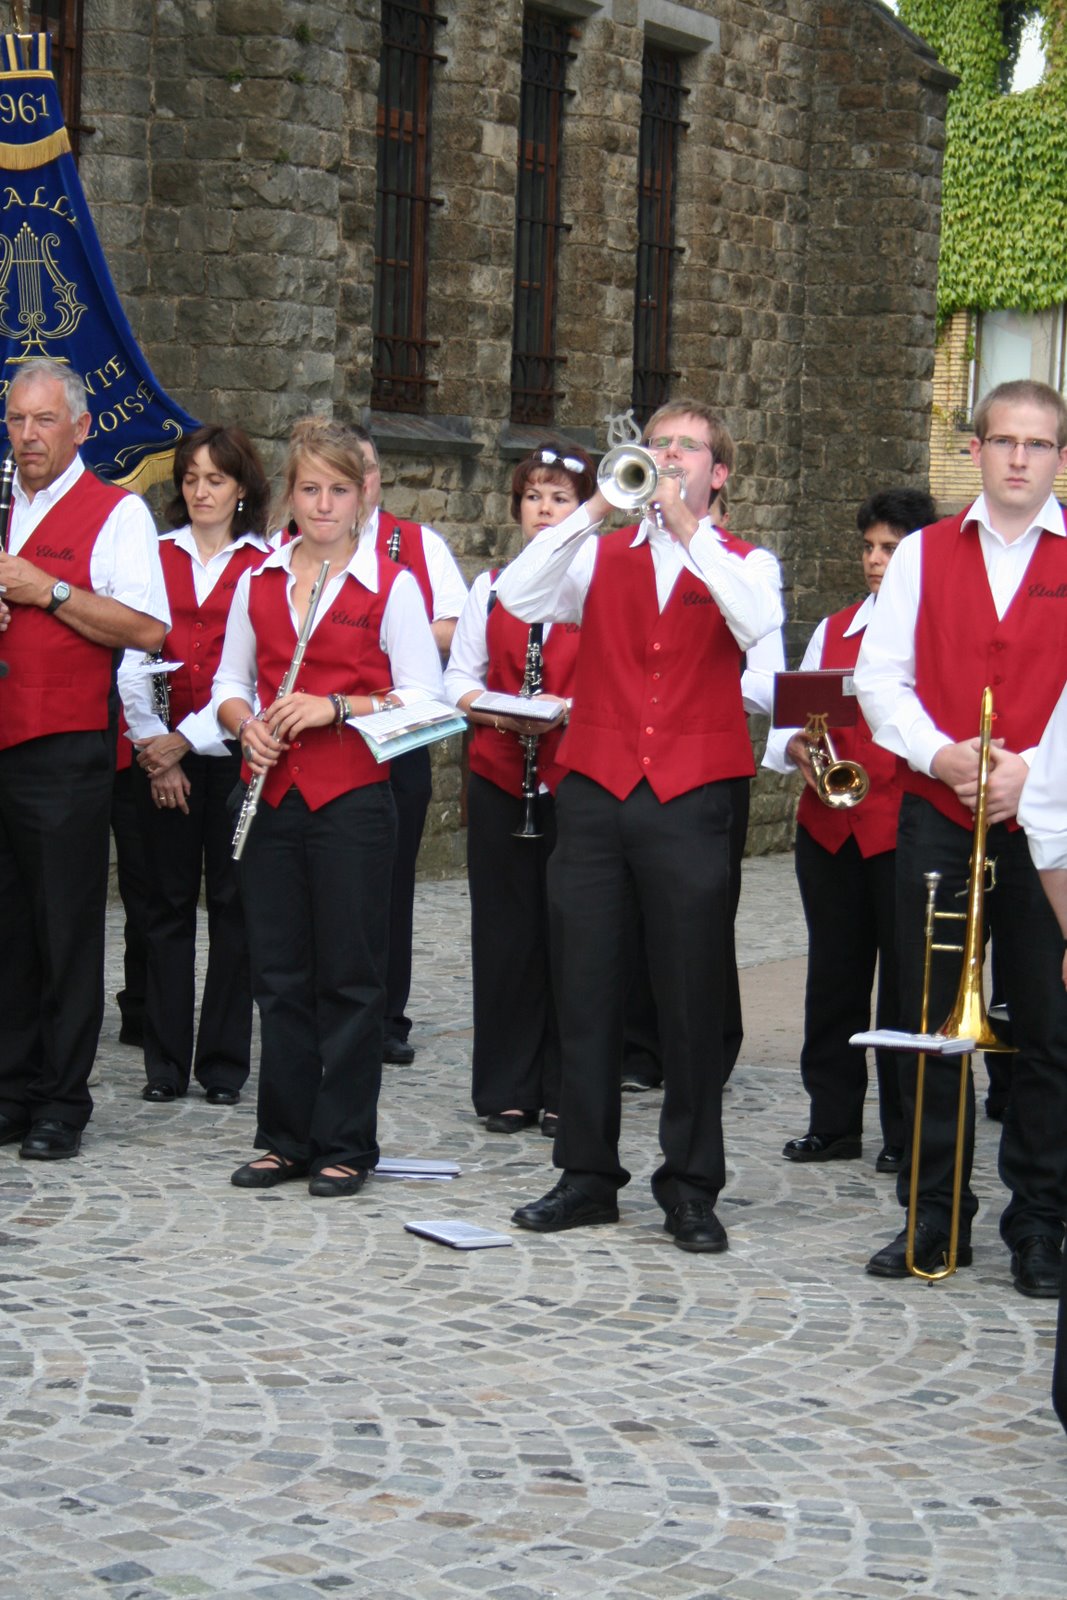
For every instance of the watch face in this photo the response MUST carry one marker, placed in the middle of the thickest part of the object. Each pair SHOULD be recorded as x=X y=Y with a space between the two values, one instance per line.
x=61 y=591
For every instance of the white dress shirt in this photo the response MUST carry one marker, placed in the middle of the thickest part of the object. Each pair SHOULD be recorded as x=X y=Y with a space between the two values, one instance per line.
x=405 y=633
x=1043 y=806
x=446 y=580
x=199 y=728
x=551 y=577
x=124 y=563
x=885 y=672
x=775 y=756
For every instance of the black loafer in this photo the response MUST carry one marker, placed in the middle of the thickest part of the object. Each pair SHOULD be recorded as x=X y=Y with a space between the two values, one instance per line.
x=696 y=1227
x=13 y=1129
x=252 y=1177
x=221 y=1097
x=889 y=1159
x=550 y=1124
x=638 y=1083
x=1037 y=1267
x=159 y=1094
x=398 y=1053
x=325 y=1183
x=50 y=1141
x=813 y=1147
x=931 y=1252
x=564 y=1207
x=510 y=1121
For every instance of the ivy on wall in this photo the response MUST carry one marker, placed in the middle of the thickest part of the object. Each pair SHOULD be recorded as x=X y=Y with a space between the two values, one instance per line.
x=1004 y=218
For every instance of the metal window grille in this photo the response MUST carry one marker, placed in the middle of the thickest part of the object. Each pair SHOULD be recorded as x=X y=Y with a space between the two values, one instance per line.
x=63 y=20
x=537 y=217
x=661 y=124
x=401 y=261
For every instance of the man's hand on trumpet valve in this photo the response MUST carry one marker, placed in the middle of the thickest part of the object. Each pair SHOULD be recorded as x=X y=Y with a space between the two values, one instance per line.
x=669 y=508
x=799 y=752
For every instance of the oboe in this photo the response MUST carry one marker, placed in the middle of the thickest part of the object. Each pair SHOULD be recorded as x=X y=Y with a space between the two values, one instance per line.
x=531 y=685
x=255 y=788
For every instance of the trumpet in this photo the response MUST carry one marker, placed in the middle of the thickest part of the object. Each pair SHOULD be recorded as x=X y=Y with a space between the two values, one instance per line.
x=839 y=784
x=628 y=475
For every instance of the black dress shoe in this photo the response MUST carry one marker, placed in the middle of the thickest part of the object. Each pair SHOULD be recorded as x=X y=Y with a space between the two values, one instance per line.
x=564 y=1207
x=159 y=1094
x=931 y=1251
x=510 y=1121
x=12 y=1129
x=813 y=1147
x=280 y=1171
x=550 y=1124
x=696 y=1227
x=890 y=1159
x=1037 y=1266
x=397 y=1052
x=639 y=1082
x=326 y=1183
x=50 y=1141
x=221 y=1097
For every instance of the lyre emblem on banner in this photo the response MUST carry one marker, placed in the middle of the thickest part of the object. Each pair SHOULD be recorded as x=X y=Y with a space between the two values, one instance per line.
x=43 y=311
x=622 y=429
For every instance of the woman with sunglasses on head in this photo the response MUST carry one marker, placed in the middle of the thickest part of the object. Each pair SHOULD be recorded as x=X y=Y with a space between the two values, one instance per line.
x=515 y=1066
x=185 y=772
x=316 y=869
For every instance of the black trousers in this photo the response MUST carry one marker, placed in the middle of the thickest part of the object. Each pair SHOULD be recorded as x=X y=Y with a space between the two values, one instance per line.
x=848 y=905
x=132 y=873
x=181 y=853
x=1059 y=1367
x=1033 y=1146
x=315 y=886
x=412 y=786
x=672 y=862
x=55 y=806
x=515 y=1060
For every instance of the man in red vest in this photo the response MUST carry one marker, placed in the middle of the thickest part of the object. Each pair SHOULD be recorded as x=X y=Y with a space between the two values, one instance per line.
x=845 y=858
x=657 y=754
x=431 y=563
x=977 y=600
x=81 y=580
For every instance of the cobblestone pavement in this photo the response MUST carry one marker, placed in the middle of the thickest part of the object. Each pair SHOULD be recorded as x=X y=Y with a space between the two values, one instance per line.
x=212 y=1393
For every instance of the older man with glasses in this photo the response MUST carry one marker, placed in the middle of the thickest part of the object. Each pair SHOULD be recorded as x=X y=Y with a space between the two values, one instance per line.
x=657 y=754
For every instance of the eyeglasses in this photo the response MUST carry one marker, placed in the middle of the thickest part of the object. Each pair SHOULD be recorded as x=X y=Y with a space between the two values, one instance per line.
x=552 y=458
x=664 y=442
x=1005 y=446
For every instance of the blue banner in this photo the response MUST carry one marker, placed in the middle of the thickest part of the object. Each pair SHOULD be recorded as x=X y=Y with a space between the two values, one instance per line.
x=56 y=294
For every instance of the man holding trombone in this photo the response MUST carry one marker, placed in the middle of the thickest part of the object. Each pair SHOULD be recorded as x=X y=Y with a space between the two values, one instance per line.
x=656 y=750
x=980 y=600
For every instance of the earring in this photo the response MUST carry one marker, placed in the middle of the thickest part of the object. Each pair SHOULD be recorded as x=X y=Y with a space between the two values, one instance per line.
x=240 y=505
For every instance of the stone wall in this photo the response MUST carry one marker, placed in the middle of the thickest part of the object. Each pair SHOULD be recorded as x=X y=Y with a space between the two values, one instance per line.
x=232 y=175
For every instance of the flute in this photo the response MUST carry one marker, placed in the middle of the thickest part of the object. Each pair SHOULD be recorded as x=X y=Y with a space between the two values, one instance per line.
x=251 y=800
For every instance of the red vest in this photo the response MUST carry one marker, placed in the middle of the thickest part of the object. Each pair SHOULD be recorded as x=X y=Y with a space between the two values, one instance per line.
x=196 y=632
x=343 y=656
x=500 y=756
x=961 y=646
x=59 y=682
x=873 y=823
x=656 y=696
x=410 y=551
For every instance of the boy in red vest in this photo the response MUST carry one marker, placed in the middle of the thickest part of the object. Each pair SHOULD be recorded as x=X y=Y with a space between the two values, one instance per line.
x=981 y=599
x=656 y=756
x=844 y=864
x=81 y=579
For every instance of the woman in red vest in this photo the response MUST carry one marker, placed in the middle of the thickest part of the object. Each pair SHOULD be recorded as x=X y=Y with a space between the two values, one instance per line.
x=845 y=861
x=316 y=869
x=515 y=1061
x=185 y=774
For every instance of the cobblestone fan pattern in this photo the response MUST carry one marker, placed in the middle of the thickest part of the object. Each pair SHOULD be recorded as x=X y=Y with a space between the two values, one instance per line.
x=212 y=1393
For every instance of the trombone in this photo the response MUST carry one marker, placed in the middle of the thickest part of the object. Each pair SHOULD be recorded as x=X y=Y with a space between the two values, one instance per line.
x=968 y=1018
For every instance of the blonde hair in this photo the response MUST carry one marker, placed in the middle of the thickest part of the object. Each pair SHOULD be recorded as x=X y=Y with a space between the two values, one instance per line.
x=327 y=441
x=1022 y=392
x=719 y=436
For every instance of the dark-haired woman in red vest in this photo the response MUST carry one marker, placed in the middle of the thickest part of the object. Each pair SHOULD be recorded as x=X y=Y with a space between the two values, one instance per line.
x=186 y=773
x=845 y=864
x=515 y=1059
x=316 y=869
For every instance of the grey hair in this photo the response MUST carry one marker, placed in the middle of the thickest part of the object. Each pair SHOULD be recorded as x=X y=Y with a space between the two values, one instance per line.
x=45 y=367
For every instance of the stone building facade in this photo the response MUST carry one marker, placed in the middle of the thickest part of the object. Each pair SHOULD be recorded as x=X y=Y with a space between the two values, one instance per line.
x=232 y=173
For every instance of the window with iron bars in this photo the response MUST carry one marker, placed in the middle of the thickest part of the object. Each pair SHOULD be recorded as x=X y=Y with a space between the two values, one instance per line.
x=399 y=378
x=537 y=218
x=661 y=124
x=63 y=20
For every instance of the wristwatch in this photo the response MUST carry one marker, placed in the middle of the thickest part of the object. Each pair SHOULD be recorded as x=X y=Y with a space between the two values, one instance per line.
x=60 y=592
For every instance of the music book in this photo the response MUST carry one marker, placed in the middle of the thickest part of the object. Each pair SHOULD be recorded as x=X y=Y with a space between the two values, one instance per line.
x=401 y=728
x=415 y=1167
x=459 y=1235
x=799 y=696
x=930 y=1044
x=535 y=709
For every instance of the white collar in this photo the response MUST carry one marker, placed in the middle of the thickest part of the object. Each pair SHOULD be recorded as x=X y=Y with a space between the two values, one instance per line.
x=362 y=564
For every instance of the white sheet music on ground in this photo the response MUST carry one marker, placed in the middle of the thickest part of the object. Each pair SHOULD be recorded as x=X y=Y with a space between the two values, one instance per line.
x=460 y=1235
x=931 y=1044
x=415 y=1167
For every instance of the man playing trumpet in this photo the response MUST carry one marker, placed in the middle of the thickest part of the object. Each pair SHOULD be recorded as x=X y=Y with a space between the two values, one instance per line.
x=656 y=749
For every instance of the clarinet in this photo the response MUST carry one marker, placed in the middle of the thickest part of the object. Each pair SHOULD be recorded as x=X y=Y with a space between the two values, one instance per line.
x=393 y=548
x=531 y=685
x=251 y=800
x=160 y=689
x=7 y=491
